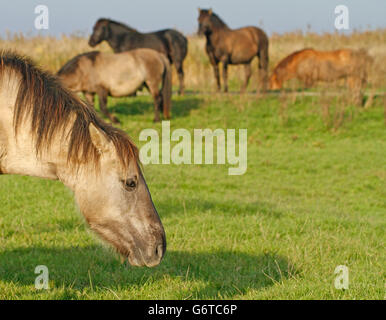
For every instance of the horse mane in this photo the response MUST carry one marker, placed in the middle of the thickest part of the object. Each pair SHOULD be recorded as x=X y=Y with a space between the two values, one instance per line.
x=51 y=108
x=217 y=23
x=116 y=23
x=72 y=65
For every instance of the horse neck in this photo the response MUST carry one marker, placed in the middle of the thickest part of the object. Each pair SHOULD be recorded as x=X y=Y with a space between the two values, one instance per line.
x=218 y=25
x=20 y=150
x=117 y=32
x=218 y=29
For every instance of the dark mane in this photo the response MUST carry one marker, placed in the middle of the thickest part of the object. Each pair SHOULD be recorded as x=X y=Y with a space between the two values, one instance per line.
x=118 y=24
x=72 y=64
x=51 y=109
x=216 y=20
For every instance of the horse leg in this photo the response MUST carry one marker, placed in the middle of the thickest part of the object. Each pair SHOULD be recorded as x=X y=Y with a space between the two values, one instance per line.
x=157 y=98
x=248 y=73
x=214 y=63
x=180 y=72
x=102 y=93
x=355 y=88
x=225 y=75
x=263 y=67
x=89 y=97
x=217 y=76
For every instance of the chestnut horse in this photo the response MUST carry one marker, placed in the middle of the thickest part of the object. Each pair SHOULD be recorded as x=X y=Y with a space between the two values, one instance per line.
x=309 y=66
x=121 y=37
x=47 y=132
x=119 y=75
x=237 y=46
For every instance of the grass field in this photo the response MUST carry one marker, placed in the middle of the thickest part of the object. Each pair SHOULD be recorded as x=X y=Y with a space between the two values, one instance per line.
x=313 y=198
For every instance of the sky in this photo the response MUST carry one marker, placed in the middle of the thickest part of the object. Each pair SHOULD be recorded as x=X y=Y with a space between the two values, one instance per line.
x=74 y=16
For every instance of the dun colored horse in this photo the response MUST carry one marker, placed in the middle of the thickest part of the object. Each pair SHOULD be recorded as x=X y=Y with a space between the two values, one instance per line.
x=47 y=132
x=118 y=75
x=123 y=38
x=309 y=66
x=229 y=46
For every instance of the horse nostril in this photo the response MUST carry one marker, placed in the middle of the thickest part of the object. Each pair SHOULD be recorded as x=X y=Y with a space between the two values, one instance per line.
x=159 y=251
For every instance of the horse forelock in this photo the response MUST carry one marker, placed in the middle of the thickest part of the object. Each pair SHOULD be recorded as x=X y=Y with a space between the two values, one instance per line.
x=52 y=108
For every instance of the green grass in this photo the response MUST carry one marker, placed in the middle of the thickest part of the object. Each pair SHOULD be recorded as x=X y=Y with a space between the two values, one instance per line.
x=313 y=198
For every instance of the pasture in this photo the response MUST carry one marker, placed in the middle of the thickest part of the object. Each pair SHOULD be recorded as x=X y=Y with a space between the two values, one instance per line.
x=313 y=196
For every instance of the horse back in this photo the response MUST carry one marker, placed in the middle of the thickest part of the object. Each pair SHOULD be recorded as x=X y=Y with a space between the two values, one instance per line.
x=168 y=41
x=238 y=45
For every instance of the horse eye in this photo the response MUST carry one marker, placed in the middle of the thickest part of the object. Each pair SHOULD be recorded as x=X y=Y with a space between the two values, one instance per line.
x=130 y=184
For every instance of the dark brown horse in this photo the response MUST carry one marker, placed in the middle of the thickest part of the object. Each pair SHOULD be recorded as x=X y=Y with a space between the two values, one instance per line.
x=119 y=75
x=237 y=46
x=122 y=38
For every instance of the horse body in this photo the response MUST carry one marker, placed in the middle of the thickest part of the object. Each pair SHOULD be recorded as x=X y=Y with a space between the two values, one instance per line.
x=46 y=131
x=119 y=75
x=233 y=46
x=309 y=66
x=122 y=38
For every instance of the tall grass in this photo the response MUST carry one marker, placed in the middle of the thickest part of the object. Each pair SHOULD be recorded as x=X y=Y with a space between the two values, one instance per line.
x=51 y=53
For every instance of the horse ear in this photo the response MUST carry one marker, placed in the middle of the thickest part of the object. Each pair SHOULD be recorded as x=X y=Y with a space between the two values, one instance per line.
x=99 y=139
x=199 y=10
x=210 y=11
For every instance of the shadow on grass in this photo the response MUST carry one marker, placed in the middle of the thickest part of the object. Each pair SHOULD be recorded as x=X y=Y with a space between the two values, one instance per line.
x=180 y=107
x=219 y=273
x=224 y=207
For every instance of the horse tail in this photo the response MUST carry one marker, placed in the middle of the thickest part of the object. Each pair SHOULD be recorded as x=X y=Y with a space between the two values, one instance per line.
x=166 y=91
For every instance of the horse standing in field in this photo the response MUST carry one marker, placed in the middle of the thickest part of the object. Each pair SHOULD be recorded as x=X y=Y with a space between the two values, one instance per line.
x=119 y=75
x=310 y=66
x=47 y=132
x=122 y=38
x=237 y=46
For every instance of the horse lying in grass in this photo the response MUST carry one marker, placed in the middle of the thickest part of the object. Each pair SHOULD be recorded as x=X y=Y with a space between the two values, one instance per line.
x=310 y=66
x=120 y=75
x=47 y=132
x=121 y=37
x=238 y=46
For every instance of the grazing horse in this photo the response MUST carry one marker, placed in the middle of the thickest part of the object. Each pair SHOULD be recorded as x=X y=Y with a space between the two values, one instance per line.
x=309 y=66
x=121 y=38
x=237 y=46
x=118 y=75
x=48 y=132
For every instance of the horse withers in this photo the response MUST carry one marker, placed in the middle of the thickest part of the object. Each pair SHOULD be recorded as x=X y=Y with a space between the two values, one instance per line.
x=237 y=46
x=46 y=131
x=122 y=38
x=309 y=66
x=119 y=75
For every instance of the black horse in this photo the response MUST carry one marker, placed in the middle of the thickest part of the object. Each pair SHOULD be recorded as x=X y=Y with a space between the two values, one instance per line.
x=123 y=38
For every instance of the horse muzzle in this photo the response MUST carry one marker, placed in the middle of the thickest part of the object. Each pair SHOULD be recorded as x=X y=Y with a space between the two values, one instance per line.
x=149 y=256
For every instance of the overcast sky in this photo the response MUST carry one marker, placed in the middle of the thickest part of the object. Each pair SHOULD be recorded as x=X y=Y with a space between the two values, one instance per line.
x=69 y=16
